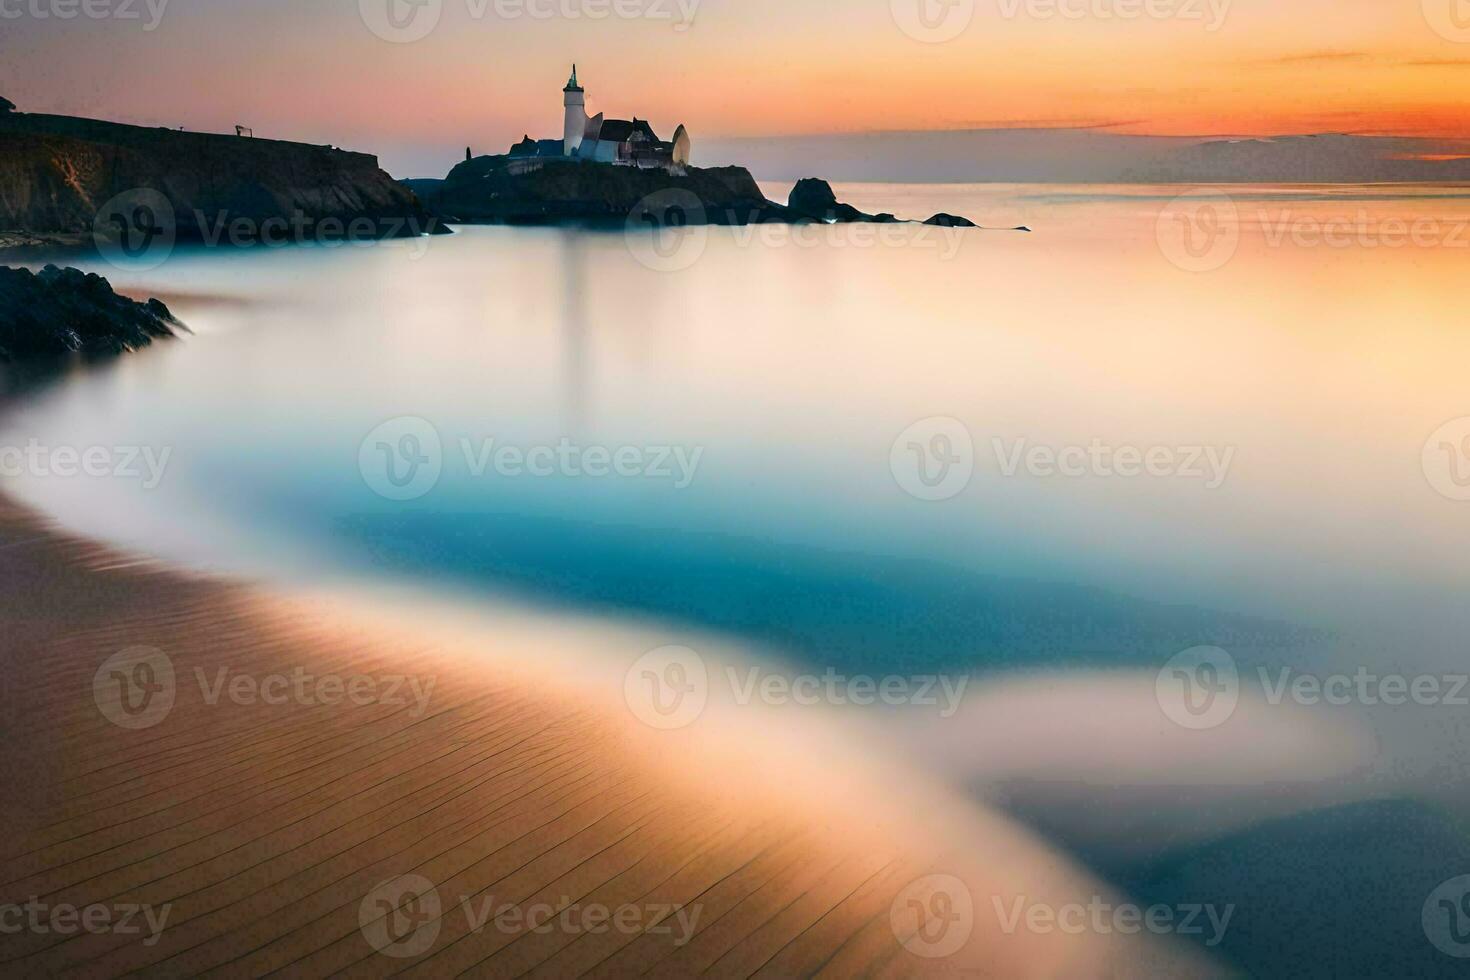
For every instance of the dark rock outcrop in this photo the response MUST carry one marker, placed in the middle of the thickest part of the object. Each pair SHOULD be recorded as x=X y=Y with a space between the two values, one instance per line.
x=503 y=190
x=6 y=105
x=950 y=221
x=499 y=190
x=59 y=175
x=57 y=312
x=814 y=200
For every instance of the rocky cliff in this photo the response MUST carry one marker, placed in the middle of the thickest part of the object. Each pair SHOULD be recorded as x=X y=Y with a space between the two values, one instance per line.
x=57 y=312
x=498 y=190
x=61 y=175
x=504 y=190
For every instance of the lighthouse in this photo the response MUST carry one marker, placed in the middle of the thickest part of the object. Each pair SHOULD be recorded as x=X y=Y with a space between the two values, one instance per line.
x=576 y=115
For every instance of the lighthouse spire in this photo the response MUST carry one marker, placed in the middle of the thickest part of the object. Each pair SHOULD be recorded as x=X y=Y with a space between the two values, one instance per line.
x=572 y=85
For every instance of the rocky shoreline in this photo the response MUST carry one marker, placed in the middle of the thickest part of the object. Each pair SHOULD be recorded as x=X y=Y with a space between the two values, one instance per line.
x=504 y=190
x=58 y=313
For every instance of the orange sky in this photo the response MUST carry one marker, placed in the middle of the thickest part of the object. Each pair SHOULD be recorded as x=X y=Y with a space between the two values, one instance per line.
x=759 y=67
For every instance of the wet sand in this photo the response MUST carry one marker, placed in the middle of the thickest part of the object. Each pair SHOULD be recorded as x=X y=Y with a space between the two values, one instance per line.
x=264 y=828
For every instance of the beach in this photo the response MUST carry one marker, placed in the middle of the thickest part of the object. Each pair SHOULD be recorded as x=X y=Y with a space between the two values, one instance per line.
x=263 y=822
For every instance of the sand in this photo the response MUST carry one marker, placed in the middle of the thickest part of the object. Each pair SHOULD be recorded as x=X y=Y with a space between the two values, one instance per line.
x=273 y=832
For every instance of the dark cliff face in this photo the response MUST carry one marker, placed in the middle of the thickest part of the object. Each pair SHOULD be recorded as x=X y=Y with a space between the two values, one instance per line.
x=490 y=189
x=58 y=312
x=503 y=190
x=58 y=175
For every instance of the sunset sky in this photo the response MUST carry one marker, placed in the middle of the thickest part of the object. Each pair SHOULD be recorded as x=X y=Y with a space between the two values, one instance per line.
x=314 y=70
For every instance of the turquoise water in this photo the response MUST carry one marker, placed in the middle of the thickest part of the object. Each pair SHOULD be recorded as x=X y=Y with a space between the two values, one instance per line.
x=764 y=385
x=819 y=448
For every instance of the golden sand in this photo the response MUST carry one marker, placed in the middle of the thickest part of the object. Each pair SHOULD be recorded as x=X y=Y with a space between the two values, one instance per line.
x=266 y=829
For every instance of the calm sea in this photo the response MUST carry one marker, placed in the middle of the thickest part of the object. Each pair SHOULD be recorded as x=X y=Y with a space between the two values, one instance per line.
x=1161 y=419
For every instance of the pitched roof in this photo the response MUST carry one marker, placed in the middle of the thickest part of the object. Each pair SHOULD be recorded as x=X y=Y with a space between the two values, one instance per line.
x=622 y=130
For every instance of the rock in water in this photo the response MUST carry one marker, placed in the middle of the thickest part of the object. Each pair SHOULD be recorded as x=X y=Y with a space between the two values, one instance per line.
x=950 y=221
x=57 y=312
x=813 y=199
x=812 y=196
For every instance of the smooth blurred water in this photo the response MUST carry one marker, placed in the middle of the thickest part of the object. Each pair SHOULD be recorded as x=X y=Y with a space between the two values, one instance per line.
x=798 y=367
x=792 y=361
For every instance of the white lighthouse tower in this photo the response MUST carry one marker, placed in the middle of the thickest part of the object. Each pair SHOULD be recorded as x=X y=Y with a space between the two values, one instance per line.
x=576 y=117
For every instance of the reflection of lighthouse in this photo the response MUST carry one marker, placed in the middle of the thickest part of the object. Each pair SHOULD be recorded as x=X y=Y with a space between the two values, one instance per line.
x=576 y=121
x=577 y=377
